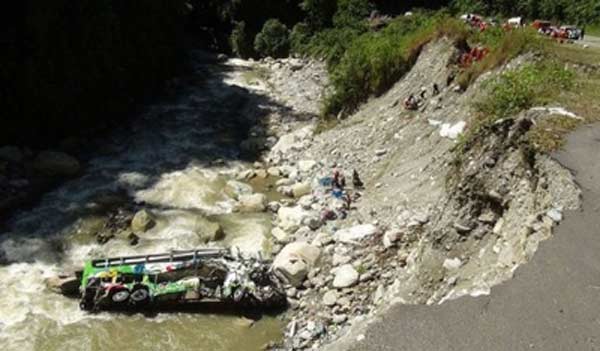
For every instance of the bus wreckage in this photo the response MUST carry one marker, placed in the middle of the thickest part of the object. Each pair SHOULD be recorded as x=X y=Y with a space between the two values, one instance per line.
x=173 y=280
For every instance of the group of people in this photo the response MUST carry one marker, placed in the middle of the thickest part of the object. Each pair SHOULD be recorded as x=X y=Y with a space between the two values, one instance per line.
x=413 y=102
x=339 y=191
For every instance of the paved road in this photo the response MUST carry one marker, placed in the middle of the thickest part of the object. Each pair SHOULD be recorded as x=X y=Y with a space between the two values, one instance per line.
x=553 y=303
x=591 y=41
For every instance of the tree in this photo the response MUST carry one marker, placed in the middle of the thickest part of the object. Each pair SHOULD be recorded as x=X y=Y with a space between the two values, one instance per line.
x=273 y=40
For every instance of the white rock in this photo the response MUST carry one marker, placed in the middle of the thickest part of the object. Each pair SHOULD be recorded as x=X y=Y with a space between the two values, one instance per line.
x=452 y=131
x=306 y=165
x=555 y=214
x=330 y=298
x=253 y=203
x=280 y=235
x=354 y=234
x=452 y=263
x=301 y=189
x=391 y=237
x=292 y=215
x=294 y=262
x=338 y=259
x=345 y=276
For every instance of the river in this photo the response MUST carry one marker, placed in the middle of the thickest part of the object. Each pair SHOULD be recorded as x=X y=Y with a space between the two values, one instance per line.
x=175 y=159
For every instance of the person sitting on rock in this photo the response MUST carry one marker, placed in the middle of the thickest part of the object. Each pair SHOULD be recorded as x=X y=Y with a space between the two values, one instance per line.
x=410 y=103
x=339 y=181
x=356 y=182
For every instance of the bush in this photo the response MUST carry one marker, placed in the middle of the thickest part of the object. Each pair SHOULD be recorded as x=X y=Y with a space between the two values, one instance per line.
x=518 y=90
x=300 y=38
x=273 y=40
x=240 y=44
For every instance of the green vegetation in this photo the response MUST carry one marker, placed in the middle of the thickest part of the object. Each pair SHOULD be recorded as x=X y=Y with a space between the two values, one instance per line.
x=273 y=40
x=518 y=90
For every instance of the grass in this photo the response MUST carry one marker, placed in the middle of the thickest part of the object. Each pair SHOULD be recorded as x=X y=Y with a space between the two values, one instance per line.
x=593 y=29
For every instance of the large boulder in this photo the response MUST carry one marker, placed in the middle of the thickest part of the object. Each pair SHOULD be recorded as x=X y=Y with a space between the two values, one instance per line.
x=11 y=153
x=63 y=284
x=355 y=234
x=210 y=231
x=294 y=262
x=235 y=189
x=54 y=163
x=345 y=276
x=252 y=203
x=142 y=221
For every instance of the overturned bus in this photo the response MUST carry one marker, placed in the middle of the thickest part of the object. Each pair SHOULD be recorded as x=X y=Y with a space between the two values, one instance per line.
x=178 y=278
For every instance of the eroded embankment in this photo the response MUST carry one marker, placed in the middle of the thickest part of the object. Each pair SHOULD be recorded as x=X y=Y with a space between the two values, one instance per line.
x=425 y=228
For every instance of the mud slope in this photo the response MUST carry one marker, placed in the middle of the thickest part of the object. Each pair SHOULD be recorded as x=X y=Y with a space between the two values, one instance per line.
x=551 y=304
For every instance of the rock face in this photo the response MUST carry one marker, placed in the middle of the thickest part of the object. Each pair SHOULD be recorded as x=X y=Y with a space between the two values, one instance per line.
x=53 y=163
x=345 y=277
x=253 y=203
x=142 y=221
x=354 y=234
x=293 y=263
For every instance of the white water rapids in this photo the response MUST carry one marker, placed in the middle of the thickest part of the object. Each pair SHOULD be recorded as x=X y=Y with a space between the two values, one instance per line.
x=164 y=159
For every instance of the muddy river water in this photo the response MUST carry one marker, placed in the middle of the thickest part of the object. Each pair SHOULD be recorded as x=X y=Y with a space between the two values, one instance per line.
x=165 y=159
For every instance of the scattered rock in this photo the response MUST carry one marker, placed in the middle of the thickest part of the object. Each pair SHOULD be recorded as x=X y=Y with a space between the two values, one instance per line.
x=301 y=189
x=354 y=234
x=555 y=214
x=306 y=165
x=452 y=263
x=142 y=221
x=280 y=235
x=390 y=238
x=252 y=203
x=330 y=298
x=345 y=276
x=462 y=228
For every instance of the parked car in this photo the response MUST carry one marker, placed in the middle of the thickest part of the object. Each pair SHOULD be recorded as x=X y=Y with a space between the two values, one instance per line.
x=541 y=25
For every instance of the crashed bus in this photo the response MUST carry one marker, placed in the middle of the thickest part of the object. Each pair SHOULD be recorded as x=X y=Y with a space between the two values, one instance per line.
x=176 y=279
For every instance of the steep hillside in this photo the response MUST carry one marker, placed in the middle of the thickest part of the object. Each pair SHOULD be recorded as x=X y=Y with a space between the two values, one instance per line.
x=443 y=228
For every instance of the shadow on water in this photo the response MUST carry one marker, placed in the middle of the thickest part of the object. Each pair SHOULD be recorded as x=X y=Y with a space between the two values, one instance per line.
x=201 y=123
